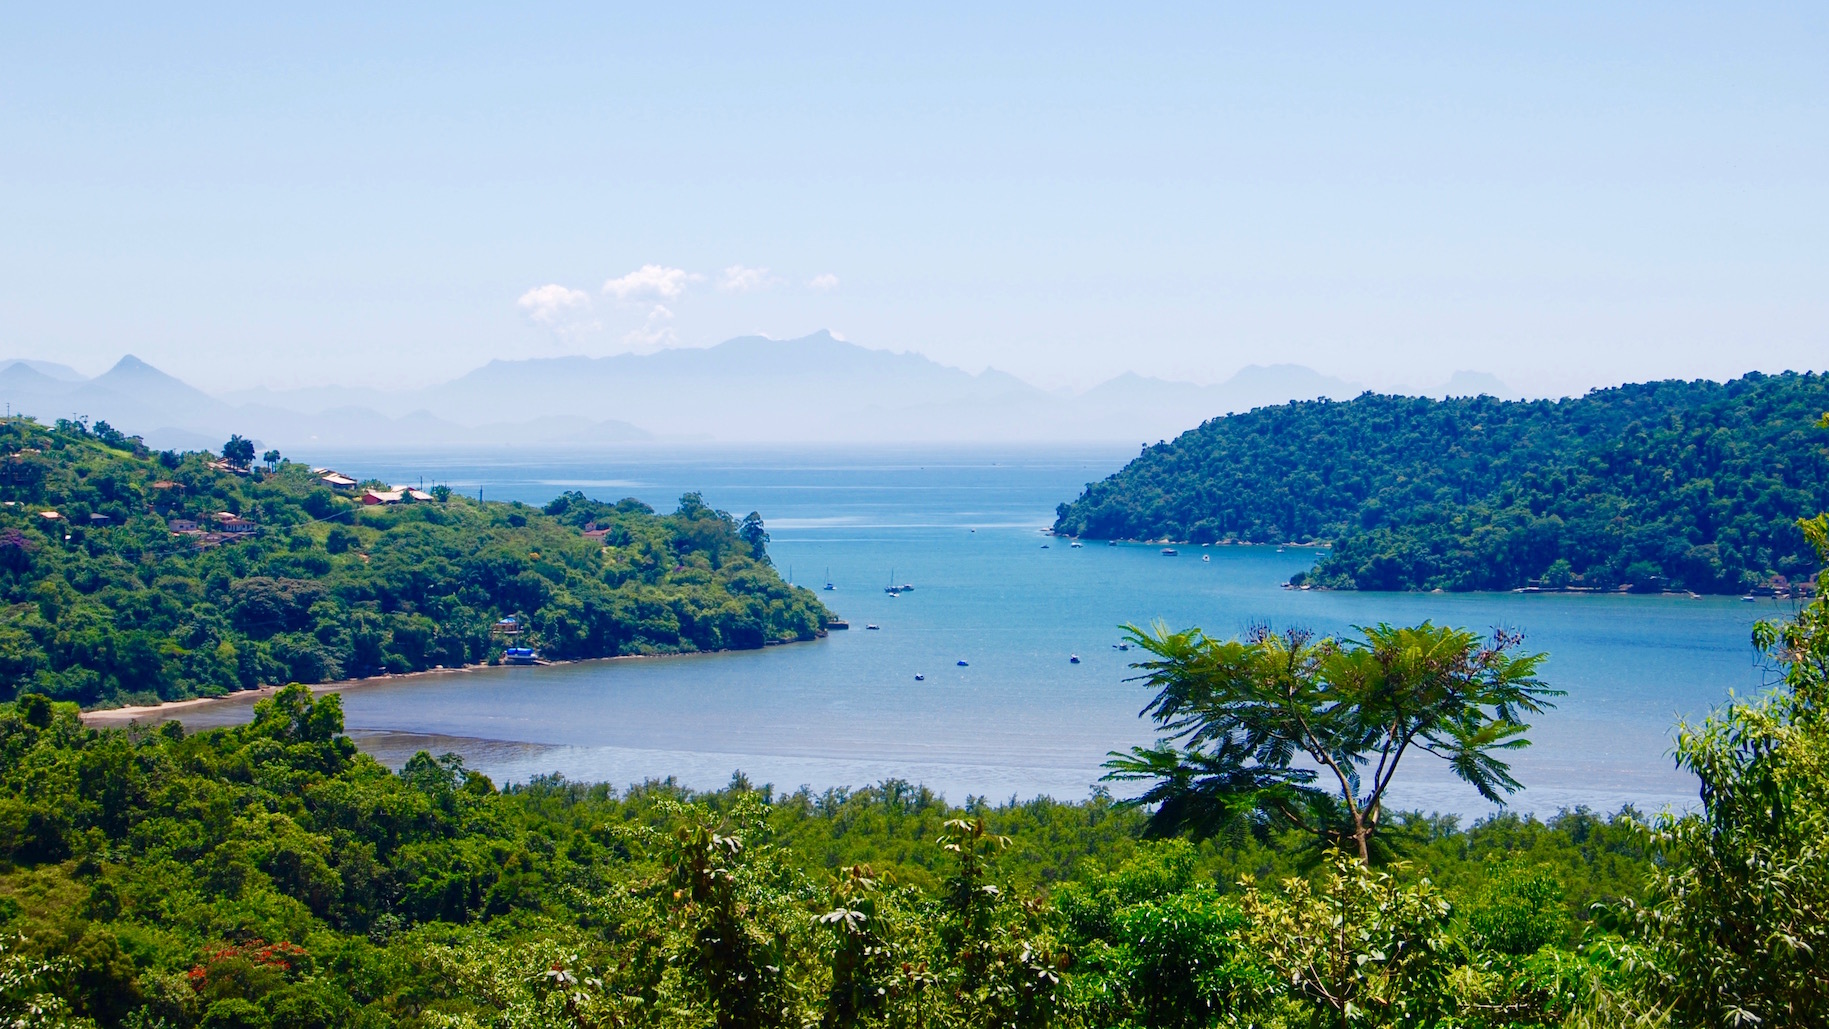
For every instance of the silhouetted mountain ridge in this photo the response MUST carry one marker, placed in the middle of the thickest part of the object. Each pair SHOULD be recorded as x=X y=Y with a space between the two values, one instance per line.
x=747 y=389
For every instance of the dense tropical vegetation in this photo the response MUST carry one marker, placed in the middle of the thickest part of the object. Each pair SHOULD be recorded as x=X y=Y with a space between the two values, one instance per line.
x=270 y=876
x=105 y=603
x=1664 y=485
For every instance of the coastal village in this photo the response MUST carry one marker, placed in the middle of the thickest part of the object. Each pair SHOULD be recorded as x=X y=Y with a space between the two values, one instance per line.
x=219 y=527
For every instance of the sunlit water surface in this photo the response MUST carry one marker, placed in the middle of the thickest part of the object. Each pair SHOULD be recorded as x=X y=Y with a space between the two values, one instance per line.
x=1018 y=719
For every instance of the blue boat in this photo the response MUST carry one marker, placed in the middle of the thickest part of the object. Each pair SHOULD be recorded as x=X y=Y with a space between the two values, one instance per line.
x=520 y=656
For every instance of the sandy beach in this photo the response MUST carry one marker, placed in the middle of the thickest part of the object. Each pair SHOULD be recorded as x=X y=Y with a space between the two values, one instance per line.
x=118 y=716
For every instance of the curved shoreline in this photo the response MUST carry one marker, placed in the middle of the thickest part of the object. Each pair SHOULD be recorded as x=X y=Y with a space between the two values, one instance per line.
x=120 y=716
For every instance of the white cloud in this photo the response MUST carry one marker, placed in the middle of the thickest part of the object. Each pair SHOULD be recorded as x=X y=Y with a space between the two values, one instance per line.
x=655 y=332
x=651 y=280
x=553 y=304
x=823 y=281
x=738 y=279
x=566 y=311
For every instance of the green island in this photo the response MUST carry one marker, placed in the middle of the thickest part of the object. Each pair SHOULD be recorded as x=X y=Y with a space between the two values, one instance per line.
x=1655 y=486
x=132 y=577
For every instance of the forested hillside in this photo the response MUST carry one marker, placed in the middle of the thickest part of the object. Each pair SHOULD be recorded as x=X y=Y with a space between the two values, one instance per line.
x=1663 y=485
x=270 y=877
x=105 y=602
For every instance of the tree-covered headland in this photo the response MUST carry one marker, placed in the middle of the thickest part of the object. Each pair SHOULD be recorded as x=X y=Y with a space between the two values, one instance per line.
x=1663 y=485
x=273 y=576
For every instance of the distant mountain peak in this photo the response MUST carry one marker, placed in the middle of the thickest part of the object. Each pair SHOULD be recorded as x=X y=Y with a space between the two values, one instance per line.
x=149 y=384
x=48 y=369
x=130 y=365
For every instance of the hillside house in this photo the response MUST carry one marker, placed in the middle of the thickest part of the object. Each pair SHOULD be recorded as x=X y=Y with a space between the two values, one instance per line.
x=397 y=495
x=227 y=521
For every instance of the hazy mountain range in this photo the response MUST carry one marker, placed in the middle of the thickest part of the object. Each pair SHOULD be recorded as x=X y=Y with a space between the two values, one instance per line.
x=817 y=388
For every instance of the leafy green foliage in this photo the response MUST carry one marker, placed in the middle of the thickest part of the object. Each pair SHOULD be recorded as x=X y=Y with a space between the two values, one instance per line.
x=270 y=874
x=1677 y=485
x=1238 y=714
x=107 y=604
x=1738 y=916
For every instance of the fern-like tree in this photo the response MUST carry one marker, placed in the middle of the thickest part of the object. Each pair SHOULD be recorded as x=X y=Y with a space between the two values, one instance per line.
x=1312 y=732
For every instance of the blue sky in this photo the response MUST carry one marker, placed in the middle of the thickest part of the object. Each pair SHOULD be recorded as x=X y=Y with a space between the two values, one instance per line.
x=1565 y=195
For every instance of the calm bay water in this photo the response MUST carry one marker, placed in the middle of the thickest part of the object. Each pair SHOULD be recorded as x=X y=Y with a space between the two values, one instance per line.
x=964 y=527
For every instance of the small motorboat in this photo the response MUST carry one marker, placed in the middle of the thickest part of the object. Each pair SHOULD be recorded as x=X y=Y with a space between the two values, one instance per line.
x=1044 y=546
x=520 y=656
x=1206 y=557
x=1111 y=543
x=1170 y=552
x=964 y=664
x=908 y=587
x=872 y=625
x=1073 y=659
x=1076 y=544
x=920 y=678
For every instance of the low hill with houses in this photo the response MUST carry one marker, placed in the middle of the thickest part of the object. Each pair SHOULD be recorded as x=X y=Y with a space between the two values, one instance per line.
x=135 y=576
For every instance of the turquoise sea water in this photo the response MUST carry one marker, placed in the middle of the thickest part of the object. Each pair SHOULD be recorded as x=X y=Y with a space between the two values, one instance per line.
x=964 y=527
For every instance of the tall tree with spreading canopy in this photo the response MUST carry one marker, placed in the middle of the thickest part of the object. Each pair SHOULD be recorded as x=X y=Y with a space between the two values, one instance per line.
x=1238 y=715
x=238 y=450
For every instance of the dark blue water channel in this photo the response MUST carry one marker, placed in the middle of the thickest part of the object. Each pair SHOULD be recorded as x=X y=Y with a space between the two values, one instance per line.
x=965 y=528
